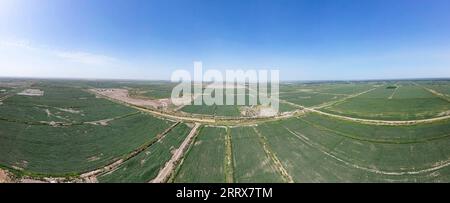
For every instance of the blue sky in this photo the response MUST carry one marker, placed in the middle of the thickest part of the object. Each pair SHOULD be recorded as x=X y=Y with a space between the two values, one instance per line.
x=305 y=40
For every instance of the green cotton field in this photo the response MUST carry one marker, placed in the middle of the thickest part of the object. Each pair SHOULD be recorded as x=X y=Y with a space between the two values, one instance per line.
x=407 y=101
x=361 y=131
x=206 y=160
x=311 y=95
x=92 y=131
x=235 y=110
x=145 y=166
x=250 y=161
x=313 y=151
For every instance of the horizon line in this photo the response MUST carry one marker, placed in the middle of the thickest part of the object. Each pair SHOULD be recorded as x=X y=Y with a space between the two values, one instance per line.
x=166 y=80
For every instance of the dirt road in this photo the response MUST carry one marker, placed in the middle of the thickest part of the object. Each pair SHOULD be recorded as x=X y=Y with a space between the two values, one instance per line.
x=307 y=109
x=91 y=176
x=165 y=173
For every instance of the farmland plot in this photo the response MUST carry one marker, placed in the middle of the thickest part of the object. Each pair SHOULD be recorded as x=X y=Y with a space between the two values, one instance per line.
x=406 y=102
x=309 y=99
x=346 y=89
x=45 y=149
x=251 y=163
x=146 y=165
x=153 y=91
x=4 y=91
x=212 y=110
x=205 y=161
x=310 y=95
x=60 y=104
x=312 y=151
x=441 y=88
x=227 y=110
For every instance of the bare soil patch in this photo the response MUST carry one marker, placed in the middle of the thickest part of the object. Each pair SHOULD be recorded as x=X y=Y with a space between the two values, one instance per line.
x=123 y=96
x=32 y=92
x=5 y=176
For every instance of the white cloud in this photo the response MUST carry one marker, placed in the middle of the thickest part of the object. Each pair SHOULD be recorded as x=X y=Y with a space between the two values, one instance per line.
x=20 y=58
x=86 y=58
x=71 y=56
x=16 y=43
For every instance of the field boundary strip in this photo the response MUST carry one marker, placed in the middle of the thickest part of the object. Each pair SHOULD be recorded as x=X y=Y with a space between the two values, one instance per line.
x=210 y=121
x=435 y=167
x=374 y=140
x=278 y=165
x=314 y=109
x=91 y=175
x=395 y=91
x=168 y=169
x=380 y=122
x=435 y=92
x=331 y=103
x=172 y=178
x=229 y=168
x=57 y=123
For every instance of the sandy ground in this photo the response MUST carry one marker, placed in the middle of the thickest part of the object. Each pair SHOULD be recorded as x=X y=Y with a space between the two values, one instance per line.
x=122 y=95
x=4 y=176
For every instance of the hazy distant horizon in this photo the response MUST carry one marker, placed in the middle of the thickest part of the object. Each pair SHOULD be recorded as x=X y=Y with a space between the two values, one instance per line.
x=306 y=40
x=165 y=80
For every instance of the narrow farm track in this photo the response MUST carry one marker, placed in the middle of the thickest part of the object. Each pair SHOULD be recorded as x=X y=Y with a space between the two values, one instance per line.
x=229 y=168
x=370 y=121
x=155 y=112
x=341 y=100
x=283 y=172
x=208 y=121
x=436 y=166
x=395 y=91
x=381 y=122
x=306 y=109
x=91 y=175
x=375 y=140
x=438 y=94
x=165 y=173
x=54 y=124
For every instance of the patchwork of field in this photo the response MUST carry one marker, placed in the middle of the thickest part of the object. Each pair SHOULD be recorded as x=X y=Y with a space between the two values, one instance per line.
x=310 y=95
x=402 y=101
x=146 y=165
x=312 y=150
x=59 y=128
x=153 y=90
x=60 y=104
x=68 y=131
x=235 y=110
x=207 y=160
